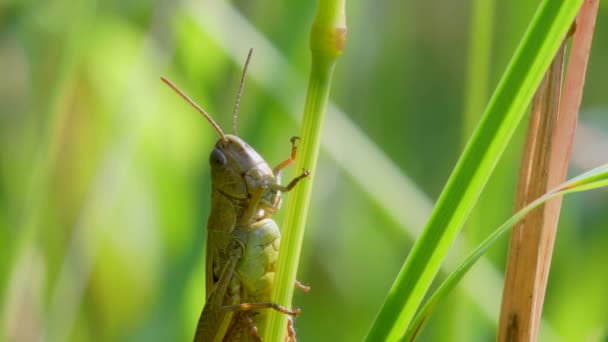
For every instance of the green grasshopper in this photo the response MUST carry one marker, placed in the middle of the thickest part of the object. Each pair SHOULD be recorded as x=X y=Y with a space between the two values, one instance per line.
x=242 y=239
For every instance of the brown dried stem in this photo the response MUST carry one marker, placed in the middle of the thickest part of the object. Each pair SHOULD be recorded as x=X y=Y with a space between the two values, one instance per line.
x=545 y=162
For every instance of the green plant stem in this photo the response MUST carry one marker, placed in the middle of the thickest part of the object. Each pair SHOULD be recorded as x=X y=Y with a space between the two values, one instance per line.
x=328 y=36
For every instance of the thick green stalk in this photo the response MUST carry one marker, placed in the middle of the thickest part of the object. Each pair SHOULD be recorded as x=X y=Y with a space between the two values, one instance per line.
x=327 y=40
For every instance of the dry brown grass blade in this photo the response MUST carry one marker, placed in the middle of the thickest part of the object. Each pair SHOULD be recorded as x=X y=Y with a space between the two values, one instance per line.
x=521 y=288
x=544 y=165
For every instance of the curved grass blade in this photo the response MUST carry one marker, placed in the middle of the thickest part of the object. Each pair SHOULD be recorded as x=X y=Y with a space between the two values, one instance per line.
x=593 y=179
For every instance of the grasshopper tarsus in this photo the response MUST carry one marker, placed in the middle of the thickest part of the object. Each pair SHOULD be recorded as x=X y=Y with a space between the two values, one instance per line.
x=294 y=313
x=292 y=157
x=302 y=287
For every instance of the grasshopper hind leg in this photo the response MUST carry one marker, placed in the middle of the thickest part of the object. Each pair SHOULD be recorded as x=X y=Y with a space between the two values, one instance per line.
x=244 y=329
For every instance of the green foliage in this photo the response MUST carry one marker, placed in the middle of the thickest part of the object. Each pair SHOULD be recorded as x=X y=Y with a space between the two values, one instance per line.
x=104 y=184
x=502 y=115
x=591 y=180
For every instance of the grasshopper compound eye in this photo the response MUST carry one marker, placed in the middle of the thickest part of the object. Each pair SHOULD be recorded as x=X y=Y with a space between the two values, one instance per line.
x=217 y=158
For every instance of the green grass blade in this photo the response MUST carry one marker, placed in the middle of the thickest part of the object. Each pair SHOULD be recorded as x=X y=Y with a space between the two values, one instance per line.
x=504 y=112
x=593 y=179
x=478 y=68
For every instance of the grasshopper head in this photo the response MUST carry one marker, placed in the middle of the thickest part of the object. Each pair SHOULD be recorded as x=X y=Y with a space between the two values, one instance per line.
x=238 y=171
x=235 y=154
x=230 y=160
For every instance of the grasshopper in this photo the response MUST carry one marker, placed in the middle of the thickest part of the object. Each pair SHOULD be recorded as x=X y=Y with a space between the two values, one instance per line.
x=242 y=238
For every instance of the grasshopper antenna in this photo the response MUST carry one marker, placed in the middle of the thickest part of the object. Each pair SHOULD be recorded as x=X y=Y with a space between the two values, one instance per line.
x=196 y=106
x=238 y=95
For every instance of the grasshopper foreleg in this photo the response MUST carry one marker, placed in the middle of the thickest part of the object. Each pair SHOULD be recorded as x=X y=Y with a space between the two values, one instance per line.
x=291 y=184
x=277 y=169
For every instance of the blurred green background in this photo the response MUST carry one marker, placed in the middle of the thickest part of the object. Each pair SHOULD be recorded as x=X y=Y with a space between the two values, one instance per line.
x=104 y=181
